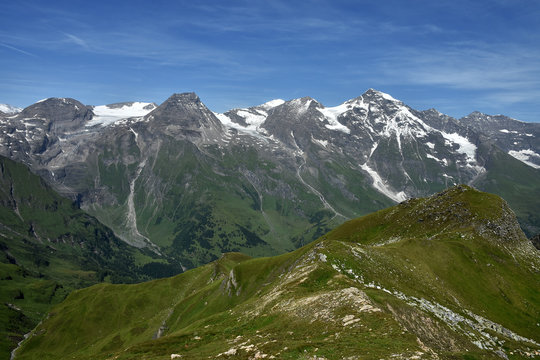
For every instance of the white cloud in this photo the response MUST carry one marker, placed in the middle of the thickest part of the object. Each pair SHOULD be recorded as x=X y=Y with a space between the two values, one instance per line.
x=17 y=49
x=76 y=40
x=468 y=66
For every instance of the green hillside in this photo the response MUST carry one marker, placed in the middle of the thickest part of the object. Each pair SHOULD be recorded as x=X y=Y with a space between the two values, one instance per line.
x=48 y=247
x=450 y=276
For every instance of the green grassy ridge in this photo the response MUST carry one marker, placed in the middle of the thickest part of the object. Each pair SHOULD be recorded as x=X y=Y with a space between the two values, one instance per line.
x=48 y=247
x=203 y=311
x=447 y=240
x=455 y=208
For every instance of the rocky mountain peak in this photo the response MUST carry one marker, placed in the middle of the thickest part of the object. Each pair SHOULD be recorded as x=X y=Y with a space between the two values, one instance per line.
x=296 y=121
x=481 y=117
x=485 y=122
x=187 y=97
x=61 y=114
x=432 y=112
x=296 y=111
x=381 y=105
x=376 y=95
x=476 y=114
x=186 y=111
x=476 y=117
x=301 y=105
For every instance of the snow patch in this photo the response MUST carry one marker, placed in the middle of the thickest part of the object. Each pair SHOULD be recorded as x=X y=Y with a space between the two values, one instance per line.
x=405 y=124
x=323 y=143
x=271 y=104
x=442 y=161
x=252 y=129
x=9 y=109
x=105 y=115
x=331 y=114
x=134 y=133
x=380 y=185
x=465 y=146
x=525 y=156
x=255 y=120
x=225 y=120
x=387 y=96
x=509 y=131
x=430 y=145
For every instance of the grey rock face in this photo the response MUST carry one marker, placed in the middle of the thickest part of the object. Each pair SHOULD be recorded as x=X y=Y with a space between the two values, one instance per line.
x=183 y=112
x=60 y=115
x=295 y=122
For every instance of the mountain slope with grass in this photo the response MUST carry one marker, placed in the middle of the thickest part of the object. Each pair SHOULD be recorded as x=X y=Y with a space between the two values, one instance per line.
x=449 y=276
x=48 y=247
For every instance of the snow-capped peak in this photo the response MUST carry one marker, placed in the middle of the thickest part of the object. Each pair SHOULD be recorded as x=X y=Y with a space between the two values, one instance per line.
x=109 y=114
x=64 y=100
x=381 y=94
x=271 y=104
x=9 y=109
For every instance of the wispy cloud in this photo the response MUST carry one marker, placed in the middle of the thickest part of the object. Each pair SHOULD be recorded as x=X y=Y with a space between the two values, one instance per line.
x=17 y=49
x=70 y=38
x=502 y=69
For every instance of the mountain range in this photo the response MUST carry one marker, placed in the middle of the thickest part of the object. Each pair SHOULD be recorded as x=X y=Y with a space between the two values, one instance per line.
x=191 y=184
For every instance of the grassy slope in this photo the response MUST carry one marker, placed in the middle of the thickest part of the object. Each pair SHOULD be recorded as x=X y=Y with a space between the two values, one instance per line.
x=48 y=247
x=334 y=298
x=450 y=259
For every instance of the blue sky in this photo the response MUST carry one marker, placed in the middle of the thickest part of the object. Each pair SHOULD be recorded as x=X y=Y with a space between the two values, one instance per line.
x=456 y=56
